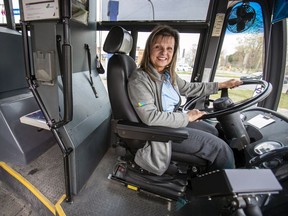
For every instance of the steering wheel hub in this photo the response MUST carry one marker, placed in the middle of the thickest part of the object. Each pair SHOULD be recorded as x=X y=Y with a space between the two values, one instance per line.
x=222 y=103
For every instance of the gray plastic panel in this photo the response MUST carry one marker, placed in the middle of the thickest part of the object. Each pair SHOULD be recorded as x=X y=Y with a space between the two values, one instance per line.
x=12 y=73
x=20 y=143
x=88 y=133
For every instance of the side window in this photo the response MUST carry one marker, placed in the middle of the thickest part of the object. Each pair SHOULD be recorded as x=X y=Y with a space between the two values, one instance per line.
x=16 y=11
x=2 y=12
x=102 y=56
x=186 y=55
x=243 y=49
x=187 y=52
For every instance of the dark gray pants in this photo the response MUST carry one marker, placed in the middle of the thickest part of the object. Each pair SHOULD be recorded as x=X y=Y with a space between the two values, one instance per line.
x=204 y=143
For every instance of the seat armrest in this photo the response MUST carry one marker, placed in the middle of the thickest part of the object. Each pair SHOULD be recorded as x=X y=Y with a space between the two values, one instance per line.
x=140 y=131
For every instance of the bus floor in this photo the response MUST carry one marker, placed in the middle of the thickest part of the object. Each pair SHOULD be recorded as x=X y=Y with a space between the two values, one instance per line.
x=13 y=205
x=100 y=195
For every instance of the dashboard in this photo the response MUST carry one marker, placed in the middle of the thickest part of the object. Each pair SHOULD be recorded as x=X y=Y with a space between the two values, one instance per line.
x=268 y=132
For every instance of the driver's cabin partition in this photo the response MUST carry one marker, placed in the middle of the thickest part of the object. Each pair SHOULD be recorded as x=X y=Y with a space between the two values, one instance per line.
x=60 y=65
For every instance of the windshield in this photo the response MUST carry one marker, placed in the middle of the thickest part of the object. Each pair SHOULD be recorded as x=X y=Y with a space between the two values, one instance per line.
x=139 y=10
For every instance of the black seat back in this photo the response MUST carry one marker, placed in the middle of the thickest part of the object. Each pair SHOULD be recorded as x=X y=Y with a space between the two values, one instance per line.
x=119 y=43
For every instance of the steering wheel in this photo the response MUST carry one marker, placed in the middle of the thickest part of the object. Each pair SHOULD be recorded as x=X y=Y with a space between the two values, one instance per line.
x=226 y=106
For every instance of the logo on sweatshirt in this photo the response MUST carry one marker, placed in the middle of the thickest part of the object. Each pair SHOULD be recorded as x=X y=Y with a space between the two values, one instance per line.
x=140 y=104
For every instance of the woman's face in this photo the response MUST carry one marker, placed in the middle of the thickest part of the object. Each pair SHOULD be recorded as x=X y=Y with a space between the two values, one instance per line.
x=162 y=51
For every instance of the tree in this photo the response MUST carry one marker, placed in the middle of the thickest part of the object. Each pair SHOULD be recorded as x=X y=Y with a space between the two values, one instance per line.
x=249 y=53
x=251 y=50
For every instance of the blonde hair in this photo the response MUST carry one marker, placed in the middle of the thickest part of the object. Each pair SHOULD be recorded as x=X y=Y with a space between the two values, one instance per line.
x=164 y=31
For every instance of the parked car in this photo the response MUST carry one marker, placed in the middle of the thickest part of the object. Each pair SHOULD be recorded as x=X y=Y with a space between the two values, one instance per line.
x=183 y=67
x=253 y=76
x=285 y=80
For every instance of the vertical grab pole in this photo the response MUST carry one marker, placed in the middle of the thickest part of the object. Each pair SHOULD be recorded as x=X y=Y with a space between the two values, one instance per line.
x=67 y=88
x=67 y=63
x=26 y=48
x=66 y=152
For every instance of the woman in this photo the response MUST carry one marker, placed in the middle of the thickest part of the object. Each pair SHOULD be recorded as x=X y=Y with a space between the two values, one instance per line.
x=154 y=90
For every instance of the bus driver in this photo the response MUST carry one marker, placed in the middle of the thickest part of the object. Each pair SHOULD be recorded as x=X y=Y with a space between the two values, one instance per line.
x=154 y=91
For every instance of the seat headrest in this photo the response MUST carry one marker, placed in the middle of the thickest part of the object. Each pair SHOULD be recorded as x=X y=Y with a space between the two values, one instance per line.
x=118 y=40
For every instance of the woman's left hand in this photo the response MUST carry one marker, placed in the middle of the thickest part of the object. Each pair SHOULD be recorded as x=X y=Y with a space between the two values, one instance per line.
x=232 y=83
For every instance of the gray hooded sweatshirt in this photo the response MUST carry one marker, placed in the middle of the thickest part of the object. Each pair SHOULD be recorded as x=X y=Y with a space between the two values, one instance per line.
x=145 y=96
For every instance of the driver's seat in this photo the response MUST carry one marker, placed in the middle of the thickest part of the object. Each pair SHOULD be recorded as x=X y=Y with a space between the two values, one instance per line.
x=131 y=133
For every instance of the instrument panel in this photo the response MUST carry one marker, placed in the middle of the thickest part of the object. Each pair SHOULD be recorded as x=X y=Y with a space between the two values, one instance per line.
x=268 y=132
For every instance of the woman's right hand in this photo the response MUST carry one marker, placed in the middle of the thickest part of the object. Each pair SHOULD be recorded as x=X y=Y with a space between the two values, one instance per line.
x=195 y=114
